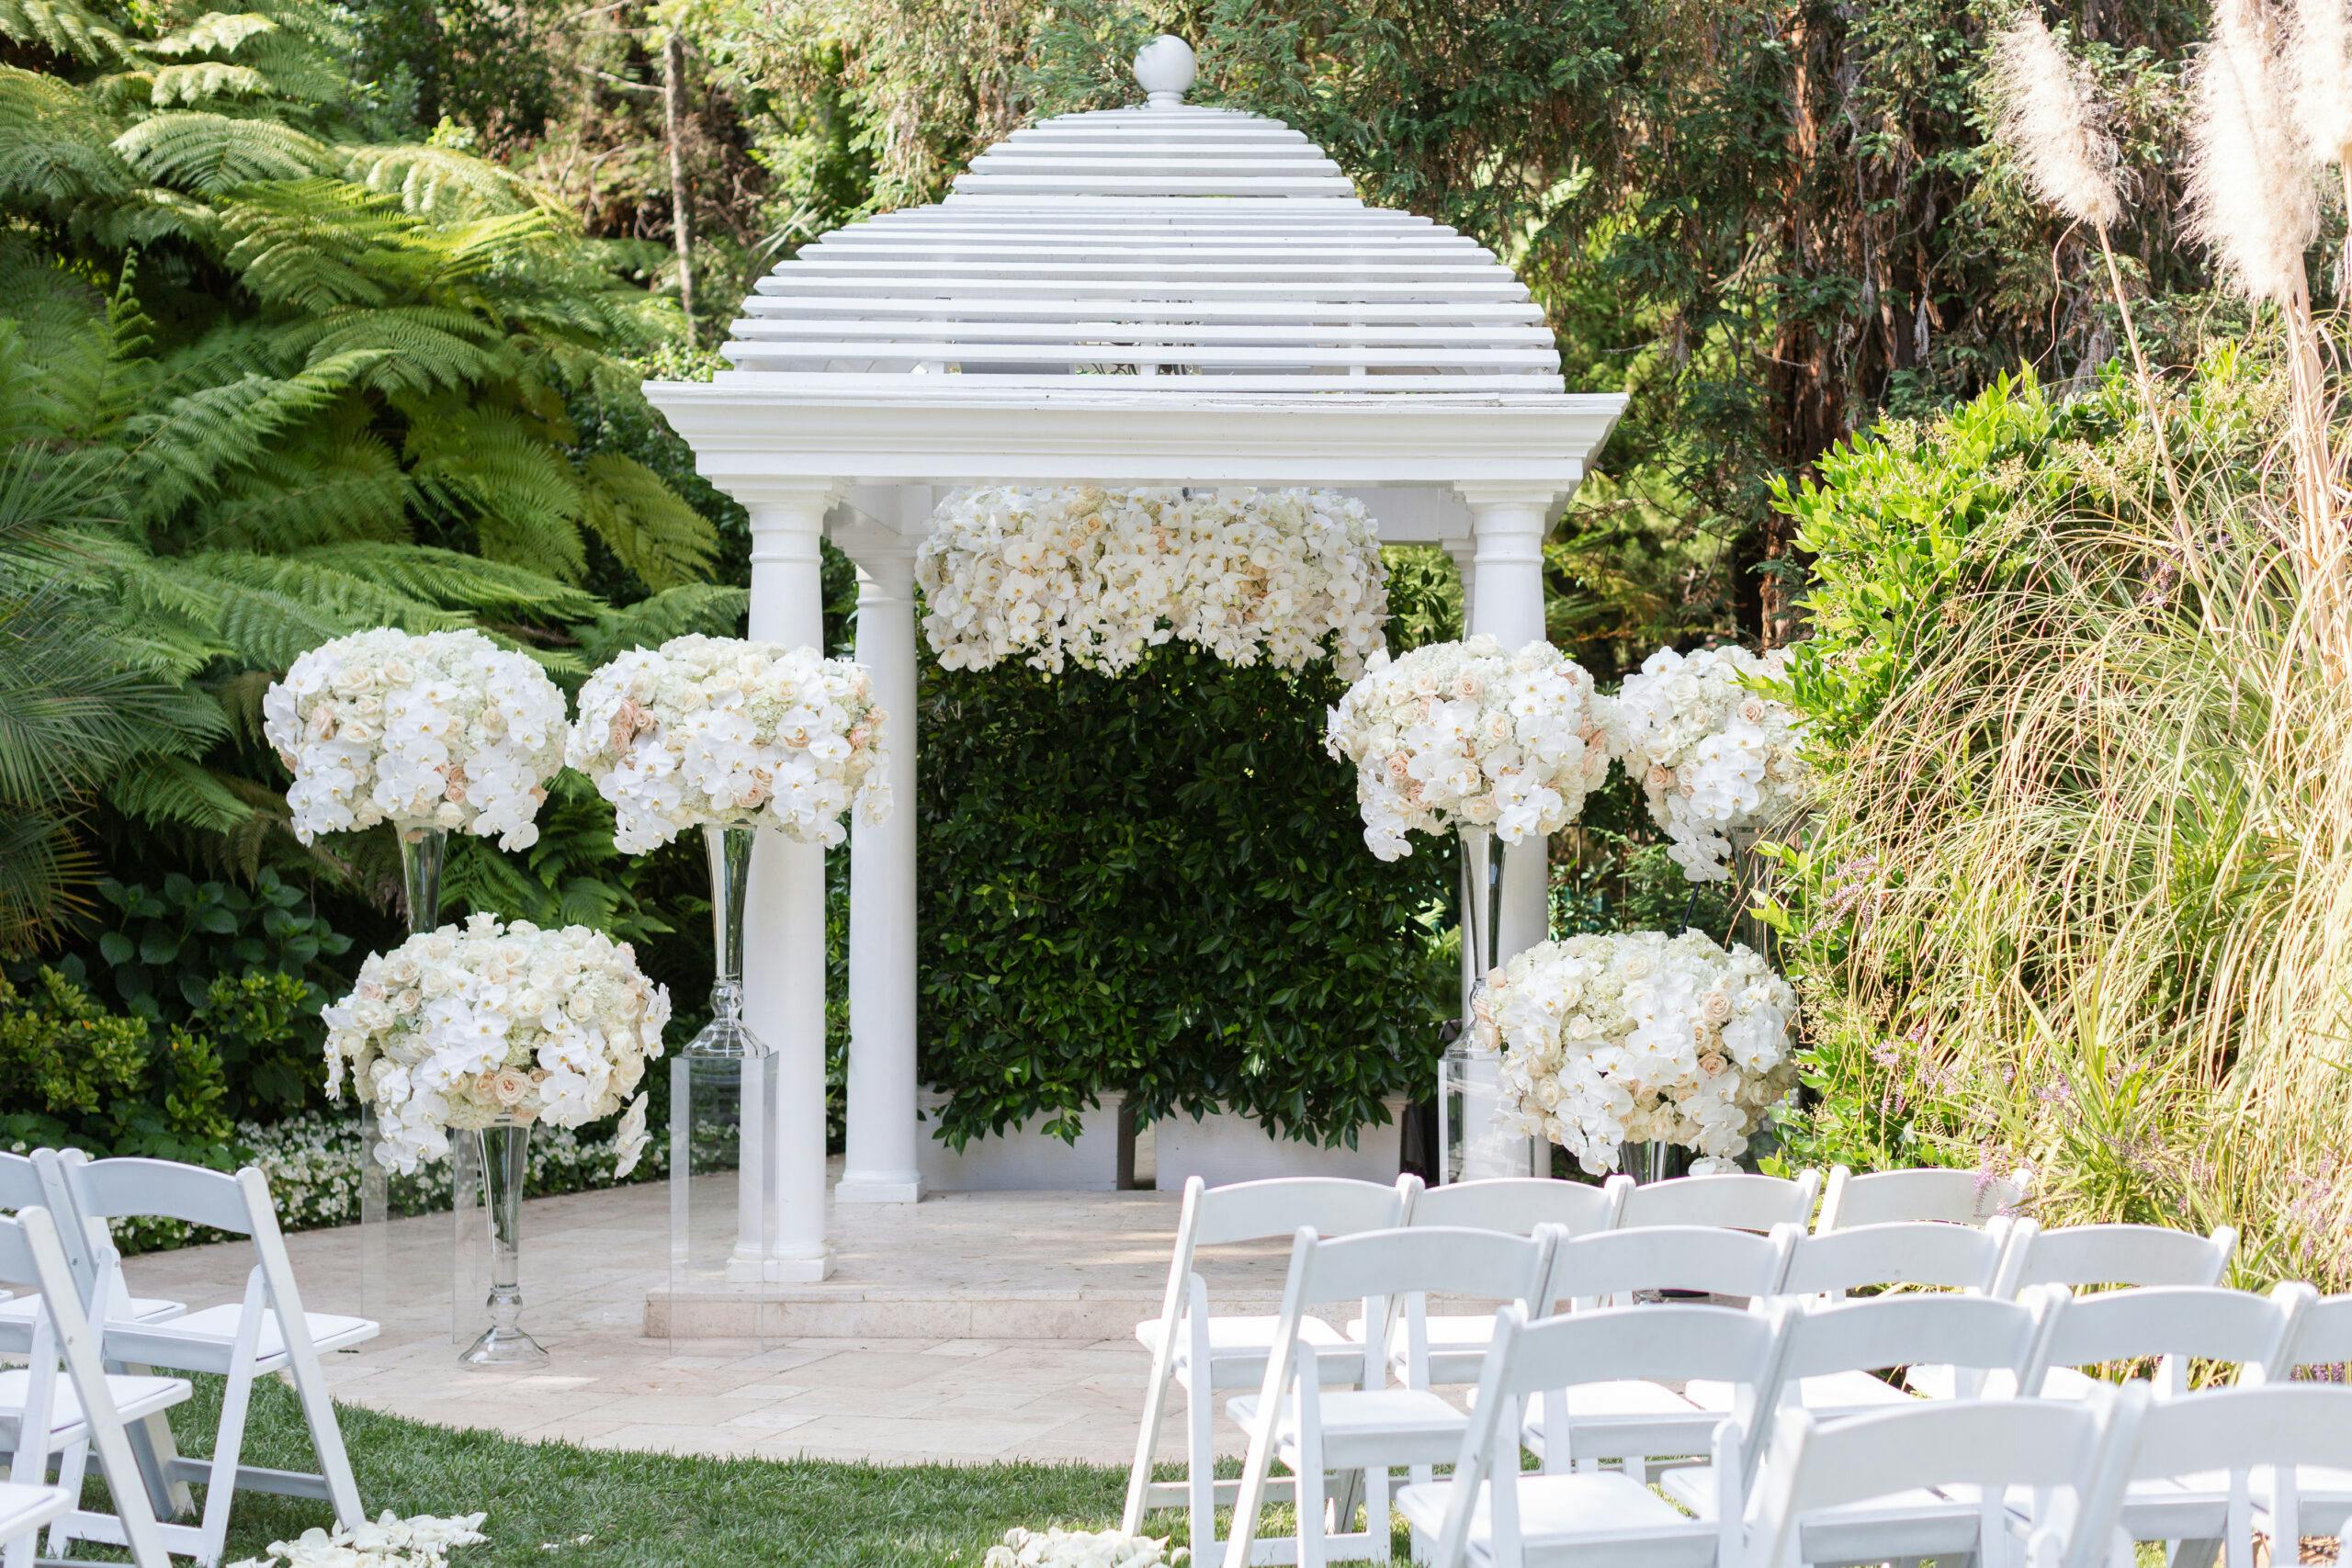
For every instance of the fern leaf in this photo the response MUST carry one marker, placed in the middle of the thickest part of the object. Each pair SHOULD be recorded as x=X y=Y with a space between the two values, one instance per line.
x=185 y=448
x=201 y=80
x=457 y=581
x=53 y=150
x=334 y=487
x=521 y=495
x=215 y=32
x=642 y=521
x=441 y=181
x=316 y=244
x=424 y=347
x=702 y=607
x=207 y=154
x=65 y=29
x=173 y=792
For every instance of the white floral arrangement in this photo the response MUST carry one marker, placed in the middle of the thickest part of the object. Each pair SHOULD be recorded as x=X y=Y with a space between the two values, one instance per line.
x=389 y=1542
x=1102 y=576
x=474 y=1024
x=708 y=731
x=1081 y=1548
x=1636 y=1037
x=1714 y=757
x=1462 y=734
x=442 y=730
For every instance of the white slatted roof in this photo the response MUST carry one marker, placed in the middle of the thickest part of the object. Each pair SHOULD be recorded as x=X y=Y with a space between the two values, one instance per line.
x=1166 y=249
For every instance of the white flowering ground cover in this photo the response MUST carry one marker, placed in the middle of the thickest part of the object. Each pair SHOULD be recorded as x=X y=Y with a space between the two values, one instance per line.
x=1102 y=576
x=464 y=1026
x=1463 y=734
x=1614 y=1039
x=443 y=729
x=1713 y=758
x=718 y=731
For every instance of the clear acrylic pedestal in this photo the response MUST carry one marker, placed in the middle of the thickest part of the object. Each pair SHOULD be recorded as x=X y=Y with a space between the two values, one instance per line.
x=1471 y=1144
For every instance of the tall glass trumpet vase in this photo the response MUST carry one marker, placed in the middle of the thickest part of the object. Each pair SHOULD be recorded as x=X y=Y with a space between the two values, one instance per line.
x=1476 y=1147
x=423 y=852
x=504 y=1152
x=723 y=1270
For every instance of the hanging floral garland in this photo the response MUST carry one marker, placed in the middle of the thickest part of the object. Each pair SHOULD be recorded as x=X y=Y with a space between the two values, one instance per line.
x=1713 y=757
x=1102 y=576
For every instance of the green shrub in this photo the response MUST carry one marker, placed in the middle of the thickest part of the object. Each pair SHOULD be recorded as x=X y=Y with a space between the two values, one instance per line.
x=73 y=1073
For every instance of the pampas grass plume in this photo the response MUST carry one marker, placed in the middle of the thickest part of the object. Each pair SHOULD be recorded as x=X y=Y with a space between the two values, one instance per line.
x=2323 y=50
x=2052 y=122
x=2252 y=199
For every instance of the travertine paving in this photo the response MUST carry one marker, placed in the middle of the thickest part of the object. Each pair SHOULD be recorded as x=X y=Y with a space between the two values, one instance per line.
x=890 y=1367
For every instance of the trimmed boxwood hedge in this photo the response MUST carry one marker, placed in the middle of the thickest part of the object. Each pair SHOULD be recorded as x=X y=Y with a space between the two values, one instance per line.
x=1157 y=882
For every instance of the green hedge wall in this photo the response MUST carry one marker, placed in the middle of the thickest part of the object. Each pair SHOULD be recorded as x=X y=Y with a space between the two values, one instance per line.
x=1157 y=882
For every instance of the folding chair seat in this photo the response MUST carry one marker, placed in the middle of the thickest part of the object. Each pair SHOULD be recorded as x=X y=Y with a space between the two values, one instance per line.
x=1489 y=1513
x=1451 y=1346
x=42 y=1417
x=267 y=1332
x=1188 y=1337
x=2277 y=1438
x=1633 y=1419
x=1294 y=1418
x=1892 y=1197
x=1998 y=1343
x=1850 y=1491
x=2174 y=1325
x=2079 y=1256
x=25 y=1509
x=1734 y=1201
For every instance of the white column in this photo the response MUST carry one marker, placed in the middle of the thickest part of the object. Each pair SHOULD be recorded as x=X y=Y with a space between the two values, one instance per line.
x=1507 y=527
x=881 y=1167
x=783 y=923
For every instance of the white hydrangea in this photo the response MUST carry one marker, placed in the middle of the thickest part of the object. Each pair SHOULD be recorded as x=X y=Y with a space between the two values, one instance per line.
x=1101 y=576
x=1713 y=757
x=1460 y=734
x=1081 y=1548
x=1636 y=1037
x=468 y=1025
x=718 y=731
x=446 y=729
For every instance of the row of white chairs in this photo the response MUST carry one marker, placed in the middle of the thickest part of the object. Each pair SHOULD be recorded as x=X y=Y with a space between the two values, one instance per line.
x=1888 y=1228
x=111 y=1347
x=1322 y=1408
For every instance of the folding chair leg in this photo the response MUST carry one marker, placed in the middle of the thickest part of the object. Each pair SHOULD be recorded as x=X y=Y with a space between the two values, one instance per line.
x=1311 y=1504
x=1155 y=1410
x=1376 y=1511
x=326 y=1441
x=72 y=1464
x=1199 y=1462
x=220 y=1486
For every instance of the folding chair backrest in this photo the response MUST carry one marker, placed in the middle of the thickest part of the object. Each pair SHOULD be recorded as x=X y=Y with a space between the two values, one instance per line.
x=19 y=1183
x=2284 y=1424
x=2177 y=1324
x=2114 y=1255
x=2320 y=1345
x=1738 y=1202
x=1887 y=1196
x=1492 y=1266
x=1520 y=1203
x=1671 y=1257
x=1899 y=1252
x=1977 y=1333
x=2048 y=1445
x=113 y=1189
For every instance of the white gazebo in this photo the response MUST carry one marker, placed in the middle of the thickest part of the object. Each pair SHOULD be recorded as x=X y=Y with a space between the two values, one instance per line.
x=1162 y=295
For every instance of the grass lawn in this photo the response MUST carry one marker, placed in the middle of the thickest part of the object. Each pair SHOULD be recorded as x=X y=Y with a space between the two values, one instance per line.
x=641 y=1509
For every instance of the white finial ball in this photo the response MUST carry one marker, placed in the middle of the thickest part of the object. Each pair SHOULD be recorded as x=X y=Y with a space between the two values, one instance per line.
x=1165 y=68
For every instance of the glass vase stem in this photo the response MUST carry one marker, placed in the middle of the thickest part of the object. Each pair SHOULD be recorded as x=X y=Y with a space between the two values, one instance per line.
x=1481 y=901
x=423 y=852
x=505 y=1161
x=730 y=872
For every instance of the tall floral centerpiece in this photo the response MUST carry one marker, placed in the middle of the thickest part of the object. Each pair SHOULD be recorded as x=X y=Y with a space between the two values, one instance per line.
x=1717 y=760
x=730 y=737
x=1618 y=1047
x=435 y=733
x=1492 y=745
x=488 y=1030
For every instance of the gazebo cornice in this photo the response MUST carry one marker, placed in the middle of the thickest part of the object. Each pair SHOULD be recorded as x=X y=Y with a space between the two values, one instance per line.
x=749 y=428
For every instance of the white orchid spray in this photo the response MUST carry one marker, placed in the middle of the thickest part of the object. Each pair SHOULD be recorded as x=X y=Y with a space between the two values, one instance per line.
x=469 y=1025
x=1637 y=1037
x=1714 y=758
x=1100 y=577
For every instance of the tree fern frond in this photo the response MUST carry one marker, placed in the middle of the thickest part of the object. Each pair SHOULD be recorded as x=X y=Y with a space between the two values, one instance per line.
x=441 y=181
x=54 y=152
x=215 y=32
x=644 y=523
x=335 y=601
x=65 y=29
x=702 y=607
x=210 y=154
x=316 y=244
x=457 y=582
x=197 y=81
x=185 y=448
x=173 y=792
x=521 y=495
x=425 y=348
x=334 y=487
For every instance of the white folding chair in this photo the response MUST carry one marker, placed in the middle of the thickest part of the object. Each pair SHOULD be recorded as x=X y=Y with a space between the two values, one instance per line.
x=1842 y=1490
x=1828 y=1353
x=1491 y=1514
x=2080 y=1256
x=1888 y=1197
x=2273 y=1438
x=26 y=1184
x=1632 y=1420
x=41 y=1418
x=1432 y=1349
x=1736 y=1200
x=265 y=1332
x=25 y=1509
x=2319 y=1348
x=1898 y=1253
x=1205 y=1353
x=1295 y=1418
